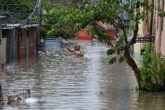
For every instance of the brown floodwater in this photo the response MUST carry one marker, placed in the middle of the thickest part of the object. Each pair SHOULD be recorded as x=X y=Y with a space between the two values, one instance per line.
x=59 y=81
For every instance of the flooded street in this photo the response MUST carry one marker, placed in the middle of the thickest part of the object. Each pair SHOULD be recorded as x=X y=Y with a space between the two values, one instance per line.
x=66 y=82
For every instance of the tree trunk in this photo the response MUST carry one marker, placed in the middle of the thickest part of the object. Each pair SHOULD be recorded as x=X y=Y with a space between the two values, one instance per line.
x=133 y=65
x=127 y=55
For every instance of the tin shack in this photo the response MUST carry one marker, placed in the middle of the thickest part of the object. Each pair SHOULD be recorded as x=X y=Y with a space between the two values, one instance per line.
x=21 y=41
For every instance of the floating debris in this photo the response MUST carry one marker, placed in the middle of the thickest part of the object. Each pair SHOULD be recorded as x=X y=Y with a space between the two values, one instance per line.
x=31 y=100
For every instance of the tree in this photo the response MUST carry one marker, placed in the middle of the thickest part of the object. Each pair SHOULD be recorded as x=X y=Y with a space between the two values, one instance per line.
x=55 y=9
x=19 y=9
x=86 y=16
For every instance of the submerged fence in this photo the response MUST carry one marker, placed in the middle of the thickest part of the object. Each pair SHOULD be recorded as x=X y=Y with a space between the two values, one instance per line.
x=13 y=96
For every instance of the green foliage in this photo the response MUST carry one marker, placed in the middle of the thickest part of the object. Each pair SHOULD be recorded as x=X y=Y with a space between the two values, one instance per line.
x=18 y=8
x=112 y=60
x=117 y=49
x=153 y=70
x=36 y=18
x=110 y=51
x=121 y=59
x=62 y=34
x=53 y=23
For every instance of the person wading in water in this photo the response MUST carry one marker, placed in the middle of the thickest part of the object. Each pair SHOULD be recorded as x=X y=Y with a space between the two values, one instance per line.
x=77 y=51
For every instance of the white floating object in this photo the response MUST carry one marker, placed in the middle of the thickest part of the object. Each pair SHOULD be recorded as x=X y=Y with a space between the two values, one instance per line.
x=31 y=100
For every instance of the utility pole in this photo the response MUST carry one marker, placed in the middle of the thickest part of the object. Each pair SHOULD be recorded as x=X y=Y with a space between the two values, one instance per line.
x=39 y=14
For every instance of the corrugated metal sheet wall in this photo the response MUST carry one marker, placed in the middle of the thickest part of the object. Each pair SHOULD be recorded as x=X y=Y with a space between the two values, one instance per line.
x=3 y=51
x=12 y=45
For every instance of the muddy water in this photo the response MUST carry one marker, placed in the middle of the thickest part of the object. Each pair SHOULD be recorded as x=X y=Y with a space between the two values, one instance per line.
x=62 y=82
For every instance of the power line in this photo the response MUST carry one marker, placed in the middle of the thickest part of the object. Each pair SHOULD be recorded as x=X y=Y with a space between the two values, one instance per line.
x=36 y=10
x=19 y=4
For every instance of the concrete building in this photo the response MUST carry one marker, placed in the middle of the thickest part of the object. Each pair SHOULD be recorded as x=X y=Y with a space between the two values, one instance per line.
x=145 y=30
x=160 y=28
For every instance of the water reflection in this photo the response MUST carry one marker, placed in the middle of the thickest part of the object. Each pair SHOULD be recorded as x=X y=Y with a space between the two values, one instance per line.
x=62 y=82
x=151 y=101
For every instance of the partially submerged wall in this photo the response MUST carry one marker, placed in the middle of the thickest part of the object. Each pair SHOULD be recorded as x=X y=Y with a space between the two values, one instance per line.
x=3 y=51
x=2 y=47
x=27 y=43
x=11 y=44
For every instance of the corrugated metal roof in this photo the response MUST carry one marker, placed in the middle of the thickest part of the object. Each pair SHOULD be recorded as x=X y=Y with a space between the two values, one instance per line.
x=8 y=27
x=12 y=26
x=1 y=17
x=29 y=25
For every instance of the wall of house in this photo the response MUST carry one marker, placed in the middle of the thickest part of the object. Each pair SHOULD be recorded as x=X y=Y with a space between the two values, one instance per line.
x=27 y=46
x=2 y=47
x=0 y=31
x=3 y=51
x=11 y=44
x=160 y=28
x=38 y=37
x=138 y=46
x=82 y=35
x=27 y=40
x=32 y=42
x=22 y=44
x=144 y=29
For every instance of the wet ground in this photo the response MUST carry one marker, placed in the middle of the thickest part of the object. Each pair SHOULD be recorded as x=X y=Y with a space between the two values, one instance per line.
x=62 y=82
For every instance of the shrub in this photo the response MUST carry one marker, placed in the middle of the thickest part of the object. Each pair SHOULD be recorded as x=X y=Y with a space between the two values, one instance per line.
x=153 y=71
